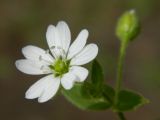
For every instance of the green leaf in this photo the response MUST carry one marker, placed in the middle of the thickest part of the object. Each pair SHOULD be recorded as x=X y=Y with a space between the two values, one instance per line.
x=97 y=77
x=128 y=100
x=81 y=97
x=108 y=93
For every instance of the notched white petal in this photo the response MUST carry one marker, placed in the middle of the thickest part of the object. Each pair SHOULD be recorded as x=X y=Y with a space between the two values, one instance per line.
x=36 y=89
x=65 y=34
x=68 y=80
x=31 y=67
x=86 y=55
x=50 y=35
x=78 y=44
x=44 y=89
x=35 y=53
x=50 y=88
x=80 y=72
x=53 y=39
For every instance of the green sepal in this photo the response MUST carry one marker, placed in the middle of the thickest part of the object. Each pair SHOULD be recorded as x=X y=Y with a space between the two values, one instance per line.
x=97 y=77
x=81 y=96
x=129 y=100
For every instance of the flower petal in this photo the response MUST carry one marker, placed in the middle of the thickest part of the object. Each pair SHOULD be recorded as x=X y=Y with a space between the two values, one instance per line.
x=31 y=67
x=44 y=89
x=78 y=44
x=68 y=80
x=50 y=88
x=53 y=40
x=35 y=53
x=36 y=89
x=65 y=34
x=80 y=72
x=86 y=55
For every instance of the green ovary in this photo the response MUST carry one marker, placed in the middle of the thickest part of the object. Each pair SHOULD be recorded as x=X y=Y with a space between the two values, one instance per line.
x=60 y=67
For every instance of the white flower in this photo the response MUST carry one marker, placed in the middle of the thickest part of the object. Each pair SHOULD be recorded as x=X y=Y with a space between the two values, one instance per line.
x=62 y=65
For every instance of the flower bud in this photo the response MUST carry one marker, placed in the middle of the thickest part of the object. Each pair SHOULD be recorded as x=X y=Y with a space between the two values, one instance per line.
x=128 y=26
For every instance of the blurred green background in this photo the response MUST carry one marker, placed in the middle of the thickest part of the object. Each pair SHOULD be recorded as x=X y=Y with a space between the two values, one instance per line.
x=24 y=22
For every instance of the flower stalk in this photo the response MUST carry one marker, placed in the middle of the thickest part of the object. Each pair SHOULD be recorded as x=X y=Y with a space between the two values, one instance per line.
x=121 y=116
x=120 y=69
x=120 y=76
x=127 y=29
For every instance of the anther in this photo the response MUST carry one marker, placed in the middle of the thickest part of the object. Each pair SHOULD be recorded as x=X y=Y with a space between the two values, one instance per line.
x=42 y=67
x=61 y=51
x=46 y=61
x=52 y=47
x=47 y=51
x=40 y=58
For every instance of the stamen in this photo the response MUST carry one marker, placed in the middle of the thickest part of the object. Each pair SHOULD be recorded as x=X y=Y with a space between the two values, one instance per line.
x=45 y=72
x=40 y=58
x=61 y=50
x=63 y=54
x=58 y=47
x=47 y=53
x=42 y=67
x=45 y=69
x=52 y=47
x=52 y=50
x=44 y=60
